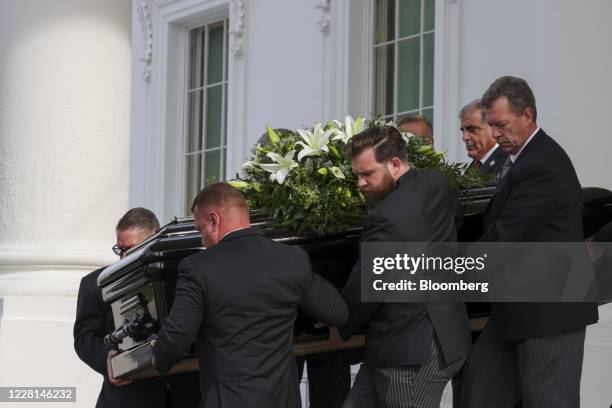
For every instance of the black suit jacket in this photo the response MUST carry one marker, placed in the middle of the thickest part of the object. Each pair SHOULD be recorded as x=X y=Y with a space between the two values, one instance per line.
x=539 y=200
x=94 y=319
x=494 y=163
x=238 y=300
x=420 y=209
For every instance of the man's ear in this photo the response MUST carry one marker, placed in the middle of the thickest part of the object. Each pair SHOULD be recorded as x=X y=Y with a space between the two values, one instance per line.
x=394 y=166
x=214 y=218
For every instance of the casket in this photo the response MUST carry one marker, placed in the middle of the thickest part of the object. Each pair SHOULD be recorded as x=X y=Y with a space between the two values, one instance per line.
x=140 y=287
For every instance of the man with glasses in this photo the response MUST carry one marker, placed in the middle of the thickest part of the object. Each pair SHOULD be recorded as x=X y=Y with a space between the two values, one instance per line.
x=94 y=319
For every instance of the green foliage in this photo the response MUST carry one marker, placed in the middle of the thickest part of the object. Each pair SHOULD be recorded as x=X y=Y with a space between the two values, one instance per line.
x=318 y=191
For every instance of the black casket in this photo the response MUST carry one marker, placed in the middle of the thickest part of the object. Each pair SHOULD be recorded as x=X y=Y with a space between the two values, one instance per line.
x=140 y=287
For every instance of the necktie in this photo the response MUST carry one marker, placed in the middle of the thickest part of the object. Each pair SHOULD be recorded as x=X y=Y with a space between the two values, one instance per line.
x=505 y=168
x=477 y=163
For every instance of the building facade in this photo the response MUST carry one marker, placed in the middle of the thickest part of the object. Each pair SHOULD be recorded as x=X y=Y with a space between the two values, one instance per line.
x=110 y=105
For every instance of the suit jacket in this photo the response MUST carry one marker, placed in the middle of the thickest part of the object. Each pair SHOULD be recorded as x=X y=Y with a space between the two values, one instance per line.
x=94 y=320
x=238 y=300
x=494 y=163
x=539 y=200
x=420 y=209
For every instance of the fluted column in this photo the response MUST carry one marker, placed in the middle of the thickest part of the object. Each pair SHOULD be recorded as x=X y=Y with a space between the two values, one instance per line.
x=64 y=137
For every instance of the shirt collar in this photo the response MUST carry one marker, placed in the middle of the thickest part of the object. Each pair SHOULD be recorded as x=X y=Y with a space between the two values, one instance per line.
x=513 y=157
x=488 y=154
x=234 y=230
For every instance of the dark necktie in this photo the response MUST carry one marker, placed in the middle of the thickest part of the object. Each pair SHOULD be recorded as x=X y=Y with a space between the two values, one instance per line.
x=505 y=167
x=477 y=164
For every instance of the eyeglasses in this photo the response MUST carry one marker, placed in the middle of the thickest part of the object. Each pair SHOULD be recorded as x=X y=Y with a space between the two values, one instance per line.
x=120 y=251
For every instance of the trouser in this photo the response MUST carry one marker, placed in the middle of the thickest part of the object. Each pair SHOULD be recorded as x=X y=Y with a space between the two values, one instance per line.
x=329 y=378
x=542 y=372
x=406 y=387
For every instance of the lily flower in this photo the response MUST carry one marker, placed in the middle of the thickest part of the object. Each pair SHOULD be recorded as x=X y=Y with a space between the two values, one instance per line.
x=282 y=167
x=315 y=142
x=337 y=172
x=351 y=128
x=406 y=136
x=249 y=164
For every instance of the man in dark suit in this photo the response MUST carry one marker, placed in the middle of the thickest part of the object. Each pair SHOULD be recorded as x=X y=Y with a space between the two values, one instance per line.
x=479 y=142
x=94 y=320
x=412 y=349
x=238 y=300
x=530 y=352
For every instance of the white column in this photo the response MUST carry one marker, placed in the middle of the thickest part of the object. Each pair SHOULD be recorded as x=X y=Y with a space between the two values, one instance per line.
x=64 y=135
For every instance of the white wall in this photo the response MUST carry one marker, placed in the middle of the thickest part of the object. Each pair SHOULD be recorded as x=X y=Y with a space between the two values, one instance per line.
x=561 y=48
x=64 y=132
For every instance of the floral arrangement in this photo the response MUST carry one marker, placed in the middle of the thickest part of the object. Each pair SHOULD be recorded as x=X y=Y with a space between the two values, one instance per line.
x=302 y=180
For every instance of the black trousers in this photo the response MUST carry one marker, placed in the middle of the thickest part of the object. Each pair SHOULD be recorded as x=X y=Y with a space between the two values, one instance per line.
x=329 y=378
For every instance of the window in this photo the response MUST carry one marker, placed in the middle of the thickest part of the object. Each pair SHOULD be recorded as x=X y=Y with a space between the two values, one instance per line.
x=403 y=57
x=206 y=147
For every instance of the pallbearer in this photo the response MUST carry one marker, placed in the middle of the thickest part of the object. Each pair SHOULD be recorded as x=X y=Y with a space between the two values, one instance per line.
x=238 y=300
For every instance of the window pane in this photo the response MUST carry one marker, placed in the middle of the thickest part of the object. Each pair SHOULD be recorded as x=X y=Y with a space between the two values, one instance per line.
x=430 y=15
x=215 y=54
x=194 y=176
x=428 y=69
x=213 y=116
x=212 y=164
x=194 y=80
x=428 y=113
x=202 y=59
x=194 y=131
x=409 y=17
x=408 y=81
x=385 y=21
x=383 y=76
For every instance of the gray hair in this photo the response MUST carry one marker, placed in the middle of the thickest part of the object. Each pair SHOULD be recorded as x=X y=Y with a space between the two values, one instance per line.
x=471 y=107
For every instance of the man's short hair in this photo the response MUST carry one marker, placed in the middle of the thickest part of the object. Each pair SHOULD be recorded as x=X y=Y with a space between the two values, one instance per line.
x=516 y=90
x=415 y=117
x=386 y=141
x=140 y=218
x=475 y=105
x=220 y=195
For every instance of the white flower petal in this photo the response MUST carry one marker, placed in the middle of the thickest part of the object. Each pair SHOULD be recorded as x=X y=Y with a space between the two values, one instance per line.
x=272 y=168
x=281 y=175
x=275 y=156
x=337 y=172
x=306 y=151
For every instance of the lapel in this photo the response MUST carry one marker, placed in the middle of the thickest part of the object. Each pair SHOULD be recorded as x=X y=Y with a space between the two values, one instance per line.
x=493 y=160
x=504 y=187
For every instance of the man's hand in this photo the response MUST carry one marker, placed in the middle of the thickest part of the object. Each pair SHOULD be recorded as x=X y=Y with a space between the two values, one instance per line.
x=109 y=370
x=334 y=335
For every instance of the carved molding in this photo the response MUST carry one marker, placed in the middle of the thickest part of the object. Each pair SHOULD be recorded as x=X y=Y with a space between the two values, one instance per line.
x=236 y=27
x=147 y=38
x=324 y=21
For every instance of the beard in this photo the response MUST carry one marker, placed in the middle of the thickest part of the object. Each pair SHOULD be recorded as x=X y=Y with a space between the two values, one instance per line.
x=375 y=195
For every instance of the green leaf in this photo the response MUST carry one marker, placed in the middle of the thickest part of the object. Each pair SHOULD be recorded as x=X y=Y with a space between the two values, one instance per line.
x=272 y=135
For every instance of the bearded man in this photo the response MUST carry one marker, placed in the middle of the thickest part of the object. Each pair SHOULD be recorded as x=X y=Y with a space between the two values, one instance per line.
x=412 y=349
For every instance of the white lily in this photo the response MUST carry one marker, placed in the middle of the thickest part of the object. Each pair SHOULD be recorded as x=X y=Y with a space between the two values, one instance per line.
x=315 y=142
x=337 y=172
x=250 y=164
x=351 y=128
x=281 y=168
x=406 y=136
